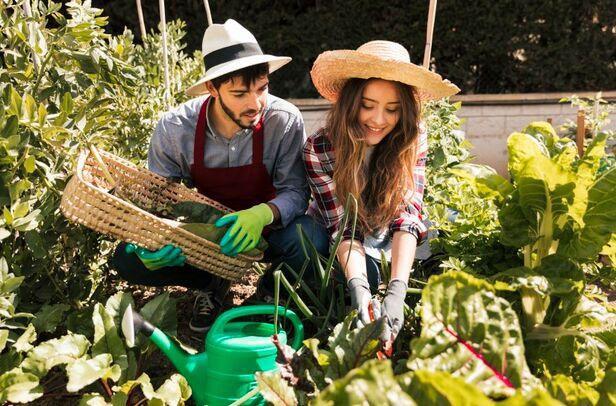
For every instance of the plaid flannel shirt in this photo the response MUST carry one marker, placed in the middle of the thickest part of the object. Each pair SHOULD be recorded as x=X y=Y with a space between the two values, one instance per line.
x=319 y=161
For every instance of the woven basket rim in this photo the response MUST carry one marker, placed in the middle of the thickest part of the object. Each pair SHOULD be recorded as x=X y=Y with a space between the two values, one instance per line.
x=185 y=233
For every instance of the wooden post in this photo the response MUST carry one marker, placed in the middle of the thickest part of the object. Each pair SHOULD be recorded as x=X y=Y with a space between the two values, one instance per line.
x=163 y=23
x=581 y=131
x=429 y=31
x=141 y=22
x=208 y=13
x=550 y=120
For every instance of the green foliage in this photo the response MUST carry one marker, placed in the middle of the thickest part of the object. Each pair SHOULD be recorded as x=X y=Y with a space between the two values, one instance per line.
x=274 y=389
x=66 y=84
x=580 y=347
x=19 y=387
x=438 y=388
x=101 y=358
x=308 y=377
x=373 y=383
x=83 y=372
x=463 y=211
x=558 y=205
x=470 y=332
x=569 y=392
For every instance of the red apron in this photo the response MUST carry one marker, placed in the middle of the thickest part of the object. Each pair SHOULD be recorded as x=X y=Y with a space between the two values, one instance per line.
x=240 y=187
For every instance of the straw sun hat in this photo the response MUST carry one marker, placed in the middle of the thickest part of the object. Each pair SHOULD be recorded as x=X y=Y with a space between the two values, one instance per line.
x=376 y=59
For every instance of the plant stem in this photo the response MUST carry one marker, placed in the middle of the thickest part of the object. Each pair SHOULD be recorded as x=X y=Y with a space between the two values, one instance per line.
x=244 y=398
x=298 y=300
x=307 y=290
x=142 y=401
x=42 y=69
x=55 y=283
x=277 y=275
x=417 y=281
x=545 y=332
x=106 y=387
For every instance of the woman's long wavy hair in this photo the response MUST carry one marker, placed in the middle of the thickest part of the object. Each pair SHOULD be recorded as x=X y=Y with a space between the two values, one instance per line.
x=390 y=173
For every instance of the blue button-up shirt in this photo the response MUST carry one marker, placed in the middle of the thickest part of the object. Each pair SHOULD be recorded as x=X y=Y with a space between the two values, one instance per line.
x=171 y=150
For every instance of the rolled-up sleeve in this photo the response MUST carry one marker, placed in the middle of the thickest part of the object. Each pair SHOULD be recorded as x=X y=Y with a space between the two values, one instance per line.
x=163 y=154
x=410 y=218
x=289 y=174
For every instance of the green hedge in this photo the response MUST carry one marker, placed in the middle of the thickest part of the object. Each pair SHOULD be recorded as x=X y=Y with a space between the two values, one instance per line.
x=483 y=46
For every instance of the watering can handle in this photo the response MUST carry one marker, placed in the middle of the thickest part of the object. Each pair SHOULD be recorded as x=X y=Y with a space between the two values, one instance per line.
x=264 y=309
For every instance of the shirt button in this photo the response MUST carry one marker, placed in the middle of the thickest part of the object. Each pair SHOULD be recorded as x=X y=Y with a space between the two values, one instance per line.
x=232 y=148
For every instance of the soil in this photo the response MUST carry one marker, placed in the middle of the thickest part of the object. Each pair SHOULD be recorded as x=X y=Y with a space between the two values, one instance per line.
x=238 y=293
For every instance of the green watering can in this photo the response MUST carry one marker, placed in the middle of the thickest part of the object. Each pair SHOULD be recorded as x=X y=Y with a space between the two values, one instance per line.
x=235 y=351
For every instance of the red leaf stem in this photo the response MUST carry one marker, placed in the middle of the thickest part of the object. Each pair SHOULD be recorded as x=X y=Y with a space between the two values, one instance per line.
x=480 y=356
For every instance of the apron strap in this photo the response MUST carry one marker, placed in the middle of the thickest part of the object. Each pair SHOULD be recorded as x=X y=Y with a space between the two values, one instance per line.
x=199 y=148
x=200 y=138
x=257 y=142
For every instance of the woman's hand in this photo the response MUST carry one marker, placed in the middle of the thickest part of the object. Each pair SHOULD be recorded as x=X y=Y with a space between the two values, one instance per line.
x=359 y=289
x=352 y=259
x=402 y=254
x=393 y=309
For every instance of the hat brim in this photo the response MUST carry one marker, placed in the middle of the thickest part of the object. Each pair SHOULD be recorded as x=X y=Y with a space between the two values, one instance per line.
x=332 y=69
x=274 y=62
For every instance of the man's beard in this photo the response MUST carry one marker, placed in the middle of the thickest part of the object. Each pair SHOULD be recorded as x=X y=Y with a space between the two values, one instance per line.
x=237 y=119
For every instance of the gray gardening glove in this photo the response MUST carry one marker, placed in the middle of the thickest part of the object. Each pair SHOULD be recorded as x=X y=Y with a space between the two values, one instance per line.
x=359 y=289
x=393 y=309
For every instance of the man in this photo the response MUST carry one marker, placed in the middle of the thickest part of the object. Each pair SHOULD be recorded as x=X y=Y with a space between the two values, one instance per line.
x=240 y=146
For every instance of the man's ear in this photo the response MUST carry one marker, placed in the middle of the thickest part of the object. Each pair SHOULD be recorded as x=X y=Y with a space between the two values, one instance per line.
x=212 y=89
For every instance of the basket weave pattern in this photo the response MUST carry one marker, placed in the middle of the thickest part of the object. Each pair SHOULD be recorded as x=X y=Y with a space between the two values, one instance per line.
x=86 y=200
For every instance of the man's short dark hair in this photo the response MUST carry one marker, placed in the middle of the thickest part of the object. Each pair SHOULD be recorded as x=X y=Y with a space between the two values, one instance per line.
x=249 y=75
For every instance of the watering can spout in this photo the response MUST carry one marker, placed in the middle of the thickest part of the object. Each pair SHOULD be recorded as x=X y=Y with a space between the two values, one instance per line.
x=185 y=363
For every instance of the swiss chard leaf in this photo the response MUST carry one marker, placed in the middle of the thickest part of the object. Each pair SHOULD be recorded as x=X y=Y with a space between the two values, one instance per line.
x=371 y=383
x=471 y=333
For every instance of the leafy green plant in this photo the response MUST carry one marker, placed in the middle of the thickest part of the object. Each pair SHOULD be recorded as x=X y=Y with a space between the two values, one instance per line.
x=559 y=213
x=101 y=363
x=471 y=347
x=466 y=221
x=65 y=84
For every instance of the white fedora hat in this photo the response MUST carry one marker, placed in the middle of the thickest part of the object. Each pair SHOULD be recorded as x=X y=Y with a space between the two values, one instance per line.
x=230 y=47
x=376 y=59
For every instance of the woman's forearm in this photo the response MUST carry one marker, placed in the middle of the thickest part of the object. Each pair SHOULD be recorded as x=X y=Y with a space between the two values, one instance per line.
x=352 y=259
x=402 y=255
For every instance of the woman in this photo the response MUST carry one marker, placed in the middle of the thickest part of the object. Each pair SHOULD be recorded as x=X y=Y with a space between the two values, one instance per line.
x=373 y=147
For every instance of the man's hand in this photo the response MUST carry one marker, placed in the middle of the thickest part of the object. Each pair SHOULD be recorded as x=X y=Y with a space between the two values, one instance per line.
x=245 y=231
x=169 y=255
x=359 y=289
x=393 y=309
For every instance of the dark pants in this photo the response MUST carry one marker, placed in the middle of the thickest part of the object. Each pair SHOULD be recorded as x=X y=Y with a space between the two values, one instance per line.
x=284 y=246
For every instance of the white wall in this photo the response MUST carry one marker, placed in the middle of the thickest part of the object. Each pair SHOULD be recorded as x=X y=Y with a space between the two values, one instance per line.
x=488 y=119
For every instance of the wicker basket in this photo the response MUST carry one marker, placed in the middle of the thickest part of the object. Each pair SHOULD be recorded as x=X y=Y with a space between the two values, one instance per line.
x=87 y=201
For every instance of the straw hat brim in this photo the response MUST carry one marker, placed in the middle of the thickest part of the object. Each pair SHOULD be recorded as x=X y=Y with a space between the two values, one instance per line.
x=332 y=69
x=275 y=62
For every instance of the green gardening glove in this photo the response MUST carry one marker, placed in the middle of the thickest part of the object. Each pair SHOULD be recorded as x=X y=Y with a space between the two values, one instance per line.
x=245 y=231
x=168 y=255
